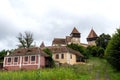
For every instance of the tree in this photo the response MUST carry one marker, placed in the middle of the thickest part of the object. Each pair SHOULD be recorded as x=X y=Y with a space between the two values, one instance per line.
x=49 y=52
x=25 y=40
x=101 y=52
x=113 y=50
x=102 y=40
x=76 y=47
x=2 y=54
x=95 y=51
x=79 y=48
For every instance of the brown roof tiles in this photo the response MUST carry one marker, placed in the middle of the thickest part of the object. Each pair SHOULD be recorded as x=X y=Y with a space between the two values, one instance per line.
x=42 y=45
x=92 y=34
x=28 y=51
x=75 y=31
x=59 y=41
x=64 y=49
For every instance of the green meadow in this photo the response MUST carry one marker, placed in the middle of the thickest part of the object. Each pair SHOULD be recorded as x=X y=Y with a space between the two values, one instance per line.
x=94 y=69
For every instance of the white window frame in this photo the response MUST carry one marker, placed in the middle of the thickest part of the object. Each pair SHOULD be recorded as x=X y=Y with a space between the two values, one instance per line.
x=31 y=58
x=25 y=62
x=9 y=63
x=14 y=60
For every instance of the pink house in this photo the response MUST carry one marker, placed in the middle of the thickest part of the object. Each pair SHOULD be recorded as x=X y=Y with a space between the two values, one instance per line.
x=31 y=58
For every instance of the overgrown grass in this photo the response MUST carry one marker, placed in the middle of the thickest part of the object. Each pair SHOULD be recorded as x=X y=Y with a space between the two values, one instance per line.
x=93 y=69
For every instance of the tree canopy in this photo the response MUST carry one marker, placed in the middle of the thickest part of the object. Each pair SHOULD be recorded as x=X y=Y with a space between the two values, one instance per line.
x=79 y=48
x=25 y=40
x=102 y=40
x=95 y=51
x=113 y=50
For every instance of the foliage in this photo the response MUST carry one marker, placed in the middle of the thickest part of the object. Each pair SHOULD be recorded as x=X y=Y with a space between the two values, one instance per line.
x=79 y=48
x=102 y=40
x=113 y=50
x=76 y=47
x=49 y=52
x=25 y=40
x=2 y=54
x=101 y=52
x=95 y=51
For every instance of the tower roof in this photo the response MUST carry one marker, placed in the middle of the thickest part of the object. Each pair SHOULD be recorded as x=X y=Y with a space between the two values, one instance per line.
x=92 y=34
x=75 y=31
x=42 y=45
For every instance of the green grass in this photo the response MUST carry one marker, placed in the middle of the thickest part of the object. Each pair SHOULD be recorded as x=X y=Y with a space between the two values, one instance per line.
x=94 y=68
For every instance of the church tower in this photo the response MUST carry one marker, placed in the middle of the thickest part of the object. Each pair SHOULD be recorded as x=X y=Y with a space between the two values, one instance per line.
x=42 y=45
x=91 y=38
x=75 y=36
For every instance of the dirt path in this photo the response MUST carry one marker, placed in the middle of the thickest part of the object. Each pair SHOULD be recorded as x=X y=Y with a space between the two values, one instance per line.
x=99 y=69
x=101 y=73
x=98 y=75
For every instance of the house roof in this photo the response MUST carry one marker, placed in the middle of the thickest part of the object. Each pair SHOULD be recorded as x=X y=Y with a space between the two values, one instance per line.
x=75 y=31
x=92 y=34
x=42 y=45
x=59 y=41
x=28 y=51
x=64 y=49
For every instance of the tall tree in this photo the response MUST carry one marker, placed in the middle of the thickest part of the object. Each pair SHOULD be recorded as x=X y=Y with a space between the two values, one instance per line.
x=113 y=50
x=2 y=54
x=25 y=40
x=102 y=40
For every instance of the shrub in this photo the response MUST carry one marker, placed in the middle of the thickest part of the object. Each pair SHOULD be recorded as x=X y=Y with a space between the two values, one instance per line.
x=113 y=50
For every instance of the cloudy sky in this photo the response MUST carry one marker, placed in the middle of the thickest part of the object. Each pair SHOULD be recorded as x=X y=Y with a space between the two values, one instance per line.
x=48 y=19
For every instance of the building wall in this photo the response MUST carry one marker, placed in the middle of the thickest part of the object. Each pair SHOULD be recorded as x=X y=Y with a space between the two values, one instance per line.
x=60 y=59
x=91 y=43
x=73 y=59
x=21 y=64
x=67 y=58
x=42 y=61
x=58 y=44
x=75 y=40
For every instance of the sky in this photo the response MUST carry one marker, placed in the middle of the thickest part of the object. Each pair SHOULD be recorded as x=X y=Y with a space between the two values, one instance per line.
x=48 y=19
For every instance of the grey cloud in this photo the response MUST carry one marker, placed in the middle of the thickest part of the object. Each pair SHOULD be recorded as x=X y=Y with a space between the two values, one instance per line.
x=54 y=23
x=67 y=21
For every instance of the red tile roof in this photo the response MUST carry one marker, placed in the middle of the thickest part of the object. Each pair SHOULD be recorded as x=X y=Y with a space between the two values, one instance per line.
x=64 y=49
x=28 y=51
x=92 y=34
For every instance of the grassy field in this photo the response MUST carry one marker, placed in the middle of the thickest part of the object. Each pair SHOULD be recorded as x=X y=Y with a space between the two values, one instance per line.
x=94 y=69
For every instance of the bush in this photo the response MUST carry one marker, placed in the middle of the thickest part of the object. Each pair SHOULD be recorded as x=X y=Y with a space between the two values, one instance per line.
x=113 y=50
